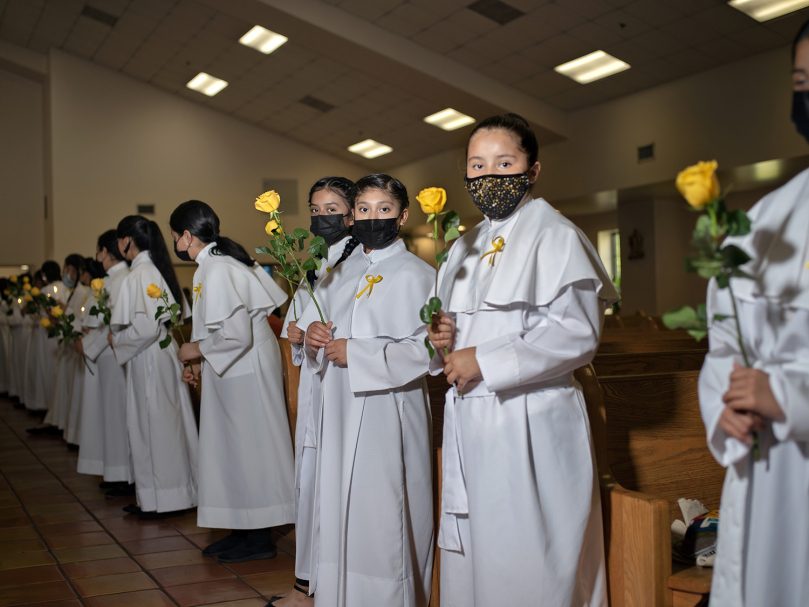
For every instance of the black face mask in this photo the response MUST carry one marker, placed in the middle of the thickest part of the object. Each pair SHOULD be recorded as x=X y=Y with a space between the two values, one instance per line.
x=497 y=195
x=331 y=227
x=800 y=113
x=376 y=233
x=183 y=255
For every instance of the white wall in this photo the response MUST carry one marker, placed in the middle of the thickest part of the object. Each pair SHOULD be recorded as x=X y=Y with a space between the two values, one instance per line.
x=22 y=206
x=117 y=142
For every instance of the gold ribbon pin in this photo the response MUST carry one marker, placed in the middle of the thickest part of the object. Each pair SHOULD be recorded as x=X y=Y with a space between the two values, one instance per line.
x=197 y=292
x=372 y=280
x=498 y=244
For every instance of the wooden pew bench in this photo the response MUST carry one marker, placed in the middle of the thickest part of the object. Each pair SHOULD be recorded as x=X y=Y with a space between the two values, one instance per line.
x=626 y=363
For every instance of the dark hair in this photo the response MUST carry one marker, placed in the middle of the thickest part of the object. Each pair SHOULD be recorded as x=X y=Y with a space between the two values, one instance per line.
x=93 y=268
x=380 y=181
x=346 y=188
x=201 y=221
x=803 y=34
x=109 y=241
x=51 y=271
x=75 y=260
x=516 y=124
x=147 y=236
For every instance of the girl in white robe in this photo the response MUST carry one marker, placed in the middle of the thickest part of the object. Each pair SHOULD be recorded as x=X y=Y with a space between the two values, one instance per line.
x=46 y=347
x=330 y=207
x=373 y=491
x=162 y=430
x=763 y=549
x=246 y=466
x=523 y=296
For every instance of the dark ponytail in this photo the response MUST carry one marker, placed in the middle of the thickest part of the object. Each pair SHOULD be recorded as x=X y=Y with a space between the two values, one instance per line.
x=147 y=236
x=201 y=221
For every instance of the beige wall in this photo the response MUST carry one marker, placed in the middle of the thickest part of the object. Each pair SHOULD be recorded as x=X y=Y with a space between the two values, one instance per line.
x=22 y=204
x=118 y=143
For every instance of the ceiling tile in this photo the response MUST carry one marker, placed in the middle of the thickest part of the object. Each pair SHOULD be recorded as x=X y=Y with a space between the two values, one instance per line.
x=654 y=12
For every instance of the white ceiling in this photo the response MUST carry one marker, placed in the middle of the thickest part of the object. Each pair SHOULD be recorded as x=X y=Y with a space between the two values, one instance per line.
x=385 y=64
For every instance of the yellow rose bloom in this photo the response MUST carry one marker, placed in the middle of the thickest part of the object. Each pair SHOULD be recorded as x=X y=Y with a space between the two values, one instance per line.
x=36 y=292
x=268 y=202
x=97 y=285
x=26 y=287
x=13 y=279
x=698 y=184
x=45 y=323
x=271 y=227
x=154 y=291
x=432 y=200
x=27 y=297
x=57 y=312
x=25 y=279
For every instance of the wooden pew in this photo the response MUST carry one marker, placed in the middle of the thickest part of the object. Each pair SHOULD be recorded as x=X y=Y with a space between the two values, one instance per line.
x=628 y=363
x=292 y=375
x=650 y=450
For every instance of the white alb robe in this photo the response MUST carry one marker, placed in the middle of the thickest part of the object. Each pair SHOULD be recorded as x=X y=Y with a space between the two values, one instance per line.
x=162 y=430
x=521 y=516
x=373 y=504
x=307 y=422
x=103 y=435
x=84 y=368
x=245 y=463
x=45 y=357
x=15 y=347
x=30 y=328
x=763 y=550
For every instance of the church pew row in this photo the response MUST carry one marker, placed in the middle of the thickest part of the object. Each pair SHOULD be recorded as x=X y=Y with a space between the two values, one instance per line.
x=628 y=363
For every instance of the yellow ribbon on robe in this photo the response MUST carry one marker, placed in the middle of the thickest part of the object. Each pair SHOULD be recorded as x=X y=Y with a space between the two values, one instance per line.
x=197 y=292
x=498 y=244
x=372 y=280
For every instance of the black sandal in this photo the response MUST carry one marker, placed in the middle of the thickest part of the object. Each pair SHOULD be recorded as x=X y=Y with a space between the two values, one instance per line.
x=300 y=585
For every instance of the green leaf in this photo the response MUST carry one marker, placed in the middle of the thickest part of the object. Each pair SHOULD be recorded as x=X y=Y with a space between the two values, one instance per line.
x=686 y=318
x=451 y=234
x=698 y=334
x=300 y=233
x=738 y=223
x=263 y=250
x=723 y=281
x=430 y=349
x=733 y=256
x=702 y=231
x=435 y=304
x=441 y=257
x=707 y=268
x=431 y=218
x=309 y=264
x=426 y=314
x=450 y=220
x=164 y=343
x=94 y=311
x=721 y=317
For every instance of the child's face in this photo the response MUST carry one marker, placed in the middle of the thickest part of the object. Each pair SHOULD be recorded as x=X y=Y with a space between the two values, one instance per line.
x=497 y=152
x=374 y=203
x=328 y=202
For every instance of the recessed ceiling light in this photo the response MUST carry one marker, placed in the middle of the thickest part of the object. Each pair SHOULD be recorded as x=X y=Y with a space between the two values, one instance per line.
x=206 y=84
x=370 y=148
x=592 y=67
x=449 y=119
x=764 y=10
x=262 y=39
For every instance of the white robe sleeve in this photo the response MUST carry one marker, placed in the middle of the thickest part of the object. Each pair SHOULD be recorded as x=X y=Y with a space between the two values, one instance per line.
x=376 y=363
x=135 y=338
x=227 y=344
x=790 y=386
x=715 y=378
x=95 y=342
x=566 y=341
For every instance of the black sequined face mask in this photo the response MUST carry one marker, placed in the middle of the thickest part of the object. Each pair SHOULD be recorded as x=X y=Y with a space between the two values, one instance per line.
x=497 y=195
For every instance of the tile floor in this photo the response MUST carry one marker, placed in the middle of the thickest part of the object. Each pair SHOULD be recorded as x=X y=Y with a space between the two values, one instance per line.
x=63 y=544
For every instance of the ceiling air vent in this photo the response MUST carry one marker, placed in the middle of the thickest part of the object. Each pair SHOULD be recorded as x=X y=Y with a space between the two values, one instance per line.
x=317 y=104
x=646 y=152
x=96 y=14
x=497 y=11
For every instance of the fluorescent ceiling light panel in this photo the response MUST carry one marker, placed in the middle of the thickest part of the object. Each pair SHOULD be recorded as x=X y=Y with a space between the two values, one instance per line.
x=206 y=84
x=592 y=67
x=449 y=119
x=370 y=148
x=764 y=10
x=262 y=39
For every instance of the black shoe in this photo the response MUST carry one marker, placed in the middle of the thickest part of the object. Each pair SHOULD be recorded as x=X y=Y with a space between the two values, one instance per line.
x=46 y=429
x=258 y=545
x=153 y=514
x=121 y=490
x=228 y=542
x=72 y=447
x=132 y=509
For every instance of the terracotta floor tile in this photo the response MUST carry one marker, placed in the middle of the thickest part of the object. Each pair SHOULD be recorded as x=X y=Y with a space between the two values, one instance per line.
x=282 y=562
x=67 y=603
x=25 y=559
x=208 y=537
x=17 y=533
x=211 y=592
x=97 y=538
x=30 y=575
x=26 y=545
x=58 y=529
x=88 y=553
x=272 y=582
x=49 y=508
x=143 y=598
x=102 y=567
x=188 y=574
x=141 y=533
x=240 y=603
x=170 y=559
x=158 y=544
x=113 y=584
x=61 y=517
x=47 y=591
x=14 y=521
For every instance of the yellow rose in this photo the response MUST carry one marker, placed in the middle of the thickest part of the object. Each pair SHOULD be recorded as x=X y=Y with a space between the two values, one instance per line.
x=432 y=200
x=26 y=280
x=13 y=279
x=36 y=292
x=154 y=291
x=268 y=202
x=271 y=227
x=45 y=323
x=57 y=312
x=698 y=184
x=97 y=285
x=27 y=297
x=26 y=286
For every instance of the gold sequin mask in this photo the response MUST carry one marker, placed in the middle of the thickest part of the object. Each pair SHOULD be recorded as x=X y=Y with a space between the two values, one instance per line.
x=497 y=195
